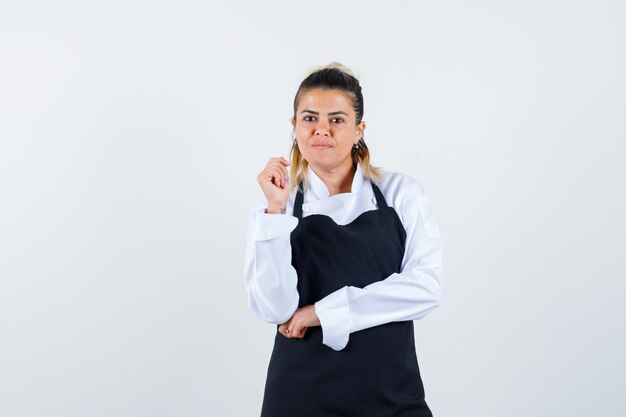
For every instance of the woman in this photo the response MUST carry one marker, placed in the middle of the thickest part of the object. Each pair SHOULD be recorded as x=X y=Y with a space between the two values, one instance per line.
x=342 y=257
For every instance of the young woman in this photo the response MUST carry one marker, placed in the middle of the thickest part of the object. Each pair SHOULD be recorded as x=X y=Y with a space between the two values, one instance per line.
x=342 y=257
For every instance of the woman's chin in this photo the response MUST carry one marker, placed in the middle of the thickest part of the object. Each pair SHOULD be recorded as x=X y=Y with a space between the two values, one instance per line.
x=321 y=162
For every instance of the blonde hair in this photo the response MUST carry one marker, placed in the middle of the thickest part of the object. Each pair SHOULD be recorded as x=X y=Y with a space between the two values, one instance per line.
x=333 y=76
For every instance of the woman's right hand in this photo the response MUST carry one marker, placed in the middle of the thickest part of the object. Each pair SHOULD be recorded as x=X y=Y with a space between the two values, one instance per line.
x=274 y=181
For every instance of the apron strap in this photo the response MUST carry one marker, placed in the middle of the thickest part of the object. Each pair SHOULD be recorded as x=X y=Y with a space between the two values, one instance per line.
x=382 y=203
x=297 y=207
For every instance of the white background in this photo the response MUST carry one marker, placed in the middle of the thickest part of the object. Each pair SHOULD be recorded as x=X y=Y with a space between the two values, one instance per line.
x=131 y=134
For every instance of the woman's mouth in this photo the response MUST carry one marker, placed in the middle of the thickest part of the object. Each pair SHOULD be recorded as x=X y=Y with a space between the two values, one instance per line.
x=321 y=146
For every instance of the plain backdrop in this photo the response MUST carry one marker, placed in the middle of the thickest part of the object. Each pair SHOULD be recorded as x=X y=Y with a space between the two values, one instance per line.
x=131 y=134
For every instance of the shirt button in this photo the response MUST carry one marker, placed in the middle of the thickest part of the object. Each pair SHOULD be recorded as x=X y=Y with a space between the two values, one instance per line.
x=305 y=208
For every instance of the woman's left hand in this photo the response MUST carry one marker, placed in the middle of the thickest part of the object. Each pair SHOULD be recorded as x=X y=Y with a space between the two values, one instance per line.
x=301 y=319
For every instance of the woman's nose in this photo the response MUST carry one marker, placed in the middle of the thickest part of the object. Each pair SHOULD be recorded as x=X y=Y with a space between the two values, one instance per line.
x=321 y=129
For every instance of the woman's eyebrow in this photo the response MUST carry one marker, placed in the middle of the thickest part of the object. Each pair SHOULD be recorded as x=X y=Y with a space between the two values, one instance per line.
x=332 y=113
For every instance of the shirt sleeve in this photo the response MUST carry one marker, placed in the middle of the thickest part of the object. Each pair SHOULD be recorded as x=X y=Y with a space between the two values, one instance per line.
x=408 y=295
x=270 y=279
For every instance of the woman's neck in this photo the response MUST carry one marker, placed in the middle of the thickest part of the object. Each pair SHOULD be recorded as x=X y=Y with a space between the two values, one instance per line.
x=337 y=180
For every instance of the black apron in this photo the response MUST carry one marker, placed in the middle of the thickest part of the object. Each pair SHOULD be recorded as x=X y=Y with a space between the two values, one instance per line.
x=376 y=374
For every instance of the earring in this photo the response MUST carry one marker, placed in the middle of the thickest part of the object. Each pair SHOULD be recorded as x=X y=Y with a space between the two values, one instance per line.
x=358 y=145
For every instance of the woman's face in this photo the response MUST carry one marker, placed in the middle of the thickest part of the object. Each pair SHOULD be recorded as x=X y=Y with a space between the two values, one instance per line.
x=325 y=127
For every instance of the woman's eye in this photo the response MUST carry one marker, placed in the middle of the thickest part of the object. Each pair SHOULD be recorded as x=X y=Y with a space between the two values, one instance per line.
x=337 y=120
x=308 y=118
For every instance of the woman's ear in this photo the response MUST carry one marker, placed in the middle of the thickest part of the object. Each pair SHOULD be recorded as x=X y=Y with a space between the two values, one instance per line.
x=293 y=122
x=361 y=129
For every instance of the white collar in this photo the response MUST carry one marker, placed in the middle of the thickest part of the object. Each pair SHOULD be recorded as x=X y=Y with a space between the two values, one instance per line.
x=321 y=191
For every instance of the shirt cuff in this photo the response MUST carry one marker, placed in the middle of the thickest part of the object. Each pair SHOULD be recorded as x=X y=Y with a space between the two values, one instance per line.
x=334 y=314
x=269 y=226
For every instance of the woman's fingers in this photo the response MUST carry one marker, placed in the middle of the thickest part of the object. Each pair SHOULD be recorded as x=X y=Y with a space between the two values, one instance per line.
x=283 y=161
x=295 y=332
x=282 y=330
x=276 y=175
x=273 y=180
x=280 y=176
x=300 y=321
x=299 y=332
x=271 y=174
x=280 y=163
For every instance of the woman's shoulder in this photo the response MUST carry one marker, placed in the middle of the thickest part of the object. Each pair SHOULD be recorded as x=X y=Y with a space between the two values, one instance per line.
x=400 y=188
x=411 y=200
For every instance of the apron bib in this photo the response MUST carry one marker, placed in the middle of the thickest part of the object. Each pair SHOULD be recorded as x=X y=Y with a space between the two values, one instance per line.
x=376 y=374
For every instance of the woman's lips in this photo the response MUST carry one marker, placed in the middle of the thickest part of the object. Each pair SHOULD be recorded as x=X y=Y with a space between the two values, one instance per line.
x=321 y=146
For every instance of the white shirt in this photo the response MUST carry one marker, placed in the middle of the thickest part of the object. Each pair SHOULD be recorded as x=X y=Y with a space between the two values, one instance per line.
x=271 y=281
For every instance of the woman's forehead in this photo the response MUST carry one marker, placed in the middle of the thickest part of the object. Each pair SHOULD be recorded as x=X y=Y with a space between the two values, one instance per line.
x=325 y=100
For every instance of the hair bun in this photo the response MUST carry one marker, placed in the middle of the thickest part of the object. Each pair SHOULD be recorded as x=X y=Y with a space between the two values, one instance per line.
x=334 y=65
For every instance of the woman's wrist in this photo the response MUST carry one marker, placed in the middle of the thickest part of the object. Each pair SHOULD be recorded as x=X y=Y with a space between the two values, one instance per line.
x=276 y=210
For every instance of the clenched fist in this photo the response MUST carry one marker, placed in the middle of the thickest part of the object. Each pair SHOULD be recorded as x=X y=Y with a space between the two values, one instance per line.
x=301 y=319
x=274 y=181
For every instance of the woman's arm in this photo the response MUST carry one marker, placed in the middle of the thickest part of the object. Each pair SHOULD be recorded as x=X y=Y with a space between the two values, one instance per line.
x=408 y=295
x=271 y=281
